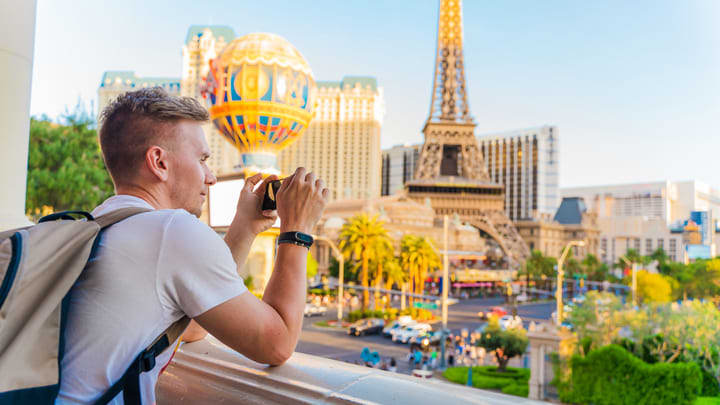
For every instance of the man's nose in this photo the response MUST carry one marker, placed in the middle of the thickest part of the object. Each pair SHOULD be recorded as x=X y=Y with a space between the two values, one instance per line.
x=210 y=178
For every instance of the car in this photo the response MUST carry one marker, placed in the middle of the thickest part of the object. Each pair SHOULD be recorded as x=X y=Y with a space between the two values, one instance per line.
x=494 y=311
x=397 y=324
x=367 y=326
x=407 y=332
x=509 y=322
x=428 y=339
x=312 y=309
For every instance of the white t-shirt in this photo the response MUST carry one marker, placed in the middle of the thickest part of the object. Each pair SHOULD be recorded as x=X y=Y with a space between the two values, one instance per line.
x=149 y=271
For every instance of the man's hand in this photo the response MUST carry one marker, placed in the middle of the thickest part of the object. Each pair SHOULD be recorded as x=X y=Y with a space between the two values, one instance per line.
x=300 y=201
x=249 y=215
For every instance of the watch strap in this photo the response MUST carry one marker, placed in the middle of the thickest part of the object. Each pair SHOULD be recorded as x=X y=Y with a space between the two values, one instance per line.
x=297 y=238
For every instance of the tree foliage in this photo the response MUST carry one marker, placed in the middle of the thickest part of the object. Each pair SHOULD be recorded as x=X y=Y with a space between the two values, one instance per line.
x=506 y=343
x=358 y=237
x=65 y=167
x=417 y=258
x=653 y=287
x=312 y=266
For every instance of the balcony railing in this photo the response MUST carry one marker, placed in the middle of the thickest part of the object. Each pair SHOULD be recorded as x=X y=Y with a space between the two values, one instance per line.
x=207 y=372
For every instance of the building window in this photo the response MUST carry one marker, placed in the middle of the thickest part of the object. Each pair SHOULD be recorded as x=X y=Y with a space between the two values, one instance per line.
x=648 y=246
x=661 y=244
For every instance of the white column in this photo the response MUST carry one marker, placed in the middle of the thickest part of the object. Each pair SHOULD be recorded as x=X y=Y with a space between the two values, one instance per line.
x=17 y=37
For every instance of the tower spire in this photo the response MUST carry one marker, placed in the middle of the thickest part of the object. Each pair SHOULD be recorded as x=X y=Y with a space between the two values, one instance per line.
x=449 y=99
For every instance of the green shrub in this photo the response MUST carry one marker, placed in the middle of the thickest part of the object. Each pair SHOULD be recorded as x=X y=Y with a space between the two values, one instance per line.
x=485 y=382
x=517 y=390
x=517 y=374
x=611 y=375
x=456 y=374
x=370 y=313
x=487 y=377
x=707 y=401
x=710 y=386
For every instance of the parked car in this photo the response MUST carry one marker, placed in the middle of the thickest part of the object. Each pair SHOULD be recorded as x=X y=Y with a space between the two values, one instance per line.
x=396 y=325
x=312 y=309
x=494 y=311
x=407 y=332
x=368 y=326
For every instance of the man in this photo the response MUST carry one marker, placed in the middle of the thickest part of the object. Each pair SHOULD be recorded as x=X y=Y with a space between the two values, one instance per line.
x=156 y=267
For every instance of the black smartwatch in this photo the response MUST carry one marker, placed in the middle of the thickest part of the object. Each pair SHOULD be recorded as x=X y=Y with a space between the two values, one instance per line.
x=298 y=238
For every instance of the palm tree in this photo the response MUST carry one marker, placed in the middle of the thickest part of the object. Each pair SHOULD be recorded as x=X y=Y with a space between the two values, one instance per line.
x=429 y=261
x=410 y=260
x=382 y=251
x=394 y=274
x=418 y=257
x=357 y=238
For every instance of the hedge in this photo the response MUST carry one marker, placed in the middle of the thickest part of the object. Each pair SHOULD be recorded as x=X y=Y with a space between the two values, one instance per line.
x=517 y=390
x=611 y=375
x=513 y=382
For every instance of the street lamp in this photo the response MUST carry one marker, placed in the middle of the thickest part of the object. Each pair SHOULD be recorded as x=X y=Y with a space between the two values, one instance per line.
x=560 y=274
x=633 y=287
x=341 y=275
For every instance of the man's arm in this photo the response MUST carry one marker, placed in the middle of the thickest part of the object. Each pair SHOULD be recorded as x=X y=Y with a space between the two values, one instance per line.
x=267 y=330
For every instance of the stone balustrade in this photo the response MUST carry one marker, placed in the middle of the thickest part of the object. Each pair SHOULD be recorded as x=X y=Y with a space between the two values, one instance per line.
x=207 y=372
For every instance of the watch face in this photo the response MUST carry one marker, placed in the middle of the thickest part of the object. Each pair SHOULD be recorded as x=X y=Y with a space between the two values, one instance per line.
x=304 y=237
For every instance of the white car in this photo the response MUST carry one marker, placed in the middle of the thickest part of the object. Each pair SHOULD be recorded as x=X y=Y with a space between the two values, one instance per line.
x=509 y=322
x=397 y=325
x=312 y=309
x=407 y=332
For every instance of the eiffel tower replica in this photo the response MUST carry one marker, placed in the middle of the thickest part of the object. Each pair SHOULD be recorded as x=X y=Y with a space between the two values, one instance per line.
x=451 y=174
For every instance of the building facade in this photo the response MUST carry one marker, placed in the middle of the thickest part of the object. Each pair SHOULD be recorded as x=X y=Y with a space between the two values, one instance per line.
x=115 y=82
x=571 y=222
x=203 y=43
x=398 y=166
x=646 y=216
x=666 y=200
x=342 y=143
x=526 y=162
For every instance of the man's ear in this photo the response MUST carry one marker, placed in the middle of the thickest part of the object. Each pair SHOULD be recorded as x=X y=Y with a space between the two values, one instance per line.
x=157 y=162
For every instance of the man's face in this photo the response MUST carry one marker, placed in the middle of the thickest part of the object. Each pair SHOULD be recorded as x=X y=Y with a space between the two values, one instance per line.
x=189 y=178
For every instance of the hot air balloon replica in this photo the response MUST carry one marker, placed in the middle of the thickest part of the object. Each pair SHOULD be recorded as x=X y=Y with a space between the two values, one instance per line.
x=260 y=90
x=260 y=93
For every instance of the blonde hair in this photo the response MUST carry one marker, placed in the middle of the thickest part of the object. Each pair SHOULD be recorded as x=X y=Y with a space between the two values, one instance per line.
x=137 y=120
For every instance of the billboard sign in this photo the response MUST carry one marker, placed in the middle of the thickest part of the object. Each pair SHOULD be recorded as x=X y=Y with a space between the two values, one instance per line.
x=698 y=252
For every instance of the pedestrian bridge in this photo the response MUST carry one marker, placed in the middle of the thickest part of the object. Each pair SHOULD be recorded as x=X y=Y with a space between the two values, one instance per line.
x=207 y=372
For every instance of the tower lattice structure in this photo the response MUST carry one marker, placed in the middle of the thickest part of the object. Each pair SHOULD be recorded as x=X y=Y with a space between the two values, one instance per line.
x=451 y=174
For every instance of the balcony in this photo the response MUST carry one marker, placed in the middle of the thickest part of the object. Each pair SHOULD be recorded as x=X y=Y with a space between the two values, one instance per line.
x=207 y=372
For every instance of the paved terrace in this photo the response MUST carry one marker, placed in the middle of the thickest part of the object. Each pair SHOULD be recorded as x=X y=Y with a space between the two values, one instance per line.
x=207 y=372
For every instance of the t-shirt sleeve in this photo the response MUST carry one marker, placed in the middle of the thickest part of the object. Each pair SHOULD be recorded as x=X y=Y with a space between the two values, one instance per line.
x=195 y=271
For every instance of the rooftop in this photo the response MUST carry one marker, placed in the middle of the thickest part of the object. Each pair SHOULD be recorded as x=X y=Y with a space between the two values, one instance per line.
x=129 y=78
x=218 y=31
x=363 y=81
x=571 y=211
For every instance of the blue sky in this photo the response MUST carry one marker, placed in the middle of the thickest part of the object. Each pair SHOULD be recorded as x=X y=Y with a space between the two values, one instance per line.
x=633 y=86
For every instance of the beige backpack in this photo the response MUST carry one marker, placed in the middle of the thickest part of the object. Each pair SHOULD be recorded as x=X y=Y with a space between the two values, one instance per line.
x=38 y=266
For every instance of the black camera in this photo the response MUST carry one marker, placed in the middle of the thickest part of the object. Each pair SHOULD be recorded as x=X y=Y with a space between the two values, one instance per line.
x=270 y=199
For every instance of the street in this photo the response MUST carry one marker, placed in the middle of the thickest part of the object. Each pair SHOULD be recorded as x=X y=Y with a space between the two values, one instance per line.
x=336 y=344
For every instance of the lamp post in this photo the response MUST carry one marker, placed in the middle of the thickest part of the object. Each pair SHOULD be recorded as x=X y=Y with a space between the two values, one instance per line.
x=341 y=274
x=633 y=286
x=560 y=274
x=445 y=286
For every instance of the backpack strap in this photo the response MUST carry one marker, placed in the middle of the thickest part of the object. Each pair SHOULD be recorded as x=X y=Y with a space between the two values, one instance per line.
x=129 y=383
x=118 y=215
